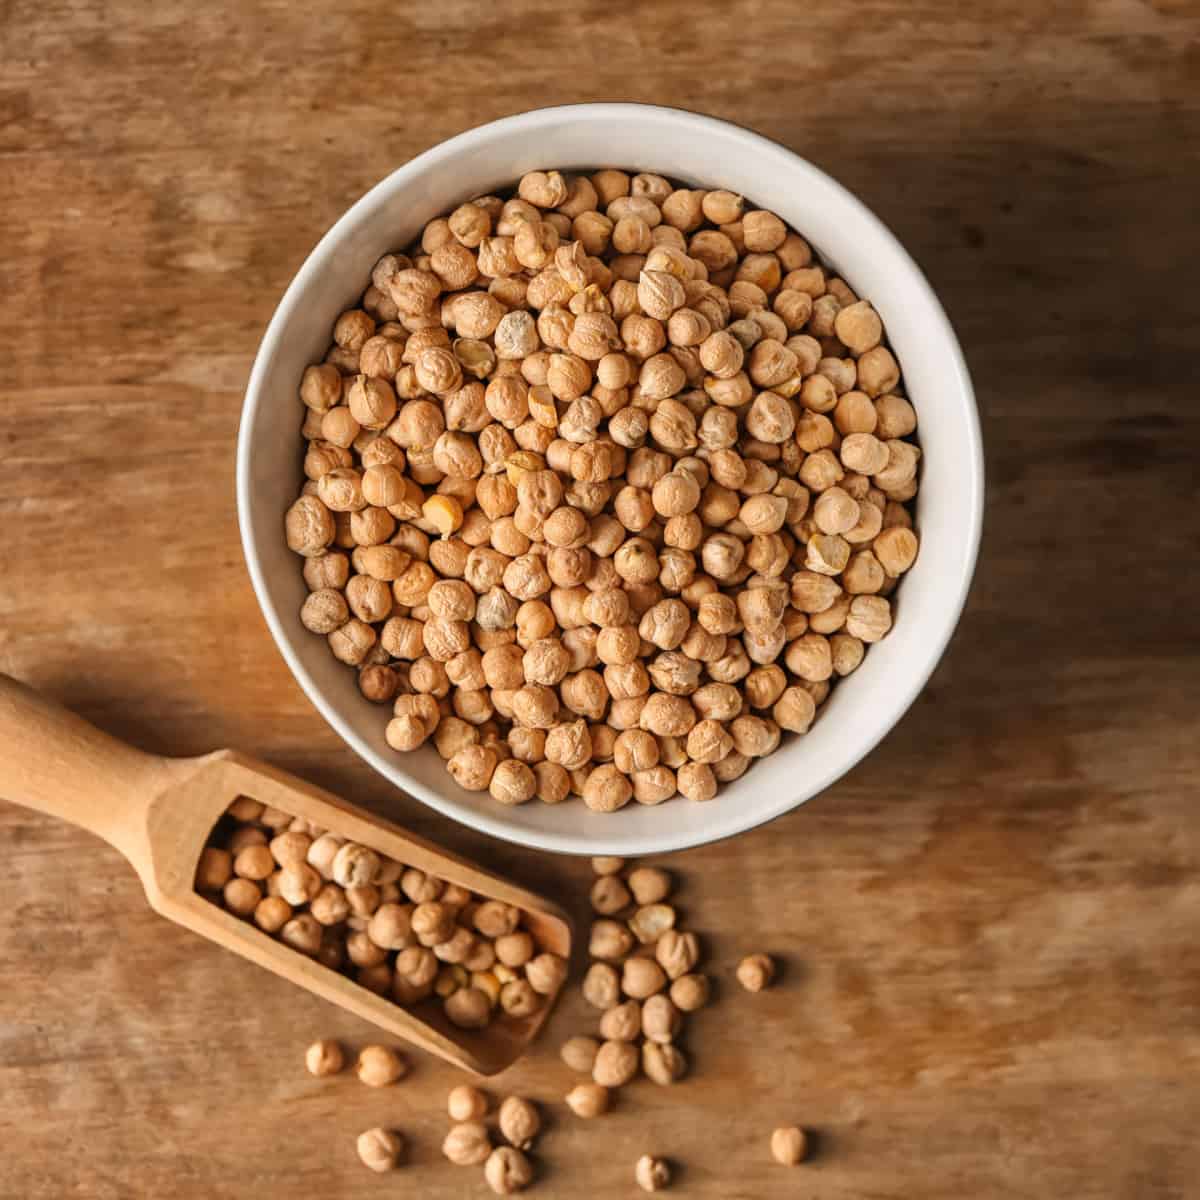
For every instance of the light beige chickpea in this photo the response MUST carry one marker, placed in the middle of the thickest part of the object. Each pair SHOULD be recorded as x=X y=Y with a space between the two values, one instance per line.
x=663 y=1064
x=689 y=992
x=863 y=574
x=468 y=1008
x=242 y=896
x=546 y=661
x=616 y=1064
x=518 y=999
x=732 y=766
x=553 y=782
x=654 y=784
x=858 y=327
x=869 y=618
x=512 y=783
x=809 y=657
x=507 y=1170
x=605 y=864
x=878 y=371
x=588 y=1100
x=847 y=653
x=722 y=207
x=579 y=1053
x=545 y=189
x=494 y=918
x=324 y=1058
x=661 y=376
x=602 y=985
x=756 y=972
x=569 y=744
x=472 y=767
x=329 y=570
x=642 y=978
x=321 y=387
x=519 y=1121
x=390 y=926
x=794 y=710
x=609 y=895
x=708 y=742
x=771 y=418
x=661 y=1020
x=635 y=750
x=214 y=870
x=379 y=1149
x=677 y=953
x=380 y=1066
x=696 y=781
x=896 y=549
x=467 y=1143
x=668 y=716
x=254 y=862
x=789 y=1145
x=546 y=973
x=622 y=1023
x=754 y=736
x=527 y=745
x=606 y=789
x=609 y=940
x=651 y=1174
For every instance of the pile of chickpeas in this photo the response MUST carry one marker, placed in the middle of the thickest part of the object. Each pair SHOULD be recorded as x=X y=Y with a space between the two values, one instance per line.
x=606 y=485
x=394 y=929
x=642 y=979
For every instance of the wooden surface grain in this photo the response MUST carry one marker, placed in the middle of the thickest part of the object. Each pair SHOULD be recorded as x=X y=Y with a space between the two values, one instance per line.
x=992 y=971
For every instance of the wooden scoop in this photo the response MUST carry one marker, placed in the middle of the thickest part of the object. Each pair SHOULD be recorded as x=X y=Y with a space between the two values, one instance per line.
x=159 y=812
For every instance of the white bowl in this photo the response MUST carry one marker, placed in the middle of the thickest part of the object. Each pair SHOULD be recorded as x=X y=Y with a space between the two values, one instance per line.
x=701 y=151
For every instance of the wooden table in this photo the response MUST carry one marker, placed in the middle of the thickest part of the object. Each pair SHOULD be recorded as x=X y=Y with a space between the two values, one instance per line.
x=990 y=927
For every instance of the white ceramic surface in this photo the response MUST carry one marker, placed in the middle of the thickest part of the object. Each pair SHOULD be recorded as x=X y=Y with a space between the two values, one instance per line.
x=701 y=151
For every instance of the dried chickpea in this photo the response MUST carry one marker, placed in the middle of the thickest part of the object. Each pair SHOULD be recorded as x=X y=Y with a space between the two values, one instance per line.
x=379 y=1066
x=755 y=972
x=588 y=1100
x=663 y=1064
x=616 y=1064
x=519 y=1121
x=467 y=1143
x=789 y=1145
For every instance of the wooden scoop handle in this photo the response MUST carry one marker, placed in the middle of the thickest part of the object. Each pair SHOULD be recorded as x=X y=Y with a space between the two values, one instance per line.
x=54 y=761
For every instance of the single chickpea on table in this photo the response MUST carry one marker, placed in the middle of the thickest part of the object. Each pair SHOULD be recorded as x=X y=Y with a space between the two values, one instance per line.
x=584 y=453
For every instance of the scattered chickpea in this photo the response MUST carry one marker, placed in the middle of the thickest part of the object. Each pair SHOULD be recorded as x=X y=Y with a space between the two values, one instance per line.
x=466 y=1103
x=609 y=894
x=649 y=885
x=651 y=1174
x=789 y=1145
x=379 y=1066
x=755 y=972
x=663 y=1064
x=507 y=1170
x=324 y=1058
x=380 y=1149
x=519 y=1121
x=579 y=1053
x=588 y=1100
x=467 y=1144
x=616 y=1064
